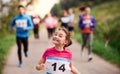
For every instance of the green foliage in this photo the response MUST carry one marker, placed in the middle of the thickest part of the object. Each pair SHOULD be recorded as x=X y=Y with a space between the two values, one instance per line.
x=107 y=17
x=78 y=37
x=56 y=10
x=65 y=4
x=75 y=3
x=107 y=53
x=5 y=44
x=6 y=20
x=7 y=38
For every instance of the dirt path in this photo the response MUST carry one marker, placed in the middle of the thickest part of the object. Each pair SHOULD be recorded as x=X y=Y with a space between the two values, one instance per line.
x=37 y=47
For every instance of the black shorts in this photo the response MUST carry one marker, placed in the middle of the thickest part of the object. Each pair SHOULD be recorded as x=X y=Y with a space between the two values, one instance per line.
x=50 y=31
x=70 y=28
x=65 y=25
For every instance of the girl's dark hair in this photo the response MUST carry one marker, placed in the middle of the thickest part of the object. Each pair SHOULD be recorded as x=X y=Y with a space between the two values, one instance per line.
x=63 y=11
x=21 y=6
x=83 y=8
x=68 y=37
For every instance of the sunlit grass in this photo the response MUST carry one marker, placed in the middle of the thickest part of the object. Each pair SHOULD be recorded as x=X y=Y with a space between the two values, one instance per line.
x=5 y=44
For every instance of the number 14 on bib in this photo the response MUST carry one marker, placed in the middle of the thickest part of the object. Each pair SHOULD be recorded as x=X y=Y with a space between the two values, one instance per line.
x=57 y=66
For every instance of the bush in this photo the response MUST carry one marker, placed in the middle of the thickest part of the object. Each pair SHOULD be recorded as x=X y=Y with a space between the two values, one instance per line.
x=107 y=29
x=6 y=19
x=107 y=53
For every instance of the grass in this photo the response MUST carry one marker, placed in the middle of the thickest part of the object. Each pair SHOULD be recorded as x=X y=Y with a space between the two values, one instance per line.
x=107 y=53
x=5 y=44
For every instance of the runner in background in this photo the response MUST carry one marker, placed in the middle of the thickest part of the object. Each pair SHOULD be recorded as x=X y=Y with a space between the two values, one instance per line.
x=51 y=24
x=71 y=21
x=87 y=25
x=58 y=59
x=64 y=19
x=21 y=23
x=36 y=21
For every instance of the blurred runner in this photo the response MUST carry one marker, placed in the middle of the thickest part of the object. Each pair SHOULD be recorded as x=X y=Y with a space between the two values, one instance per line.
x=22 y=23
x=64 y=19
x=51 y=24
x=87 y=25
x=71 y=21
x=36 y=21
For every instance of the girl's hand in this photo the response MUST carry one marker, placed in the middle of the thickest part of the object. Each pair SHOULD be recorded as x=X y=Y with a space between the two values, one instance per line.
x=40 y=67
x=87 y=25
x=90 y=24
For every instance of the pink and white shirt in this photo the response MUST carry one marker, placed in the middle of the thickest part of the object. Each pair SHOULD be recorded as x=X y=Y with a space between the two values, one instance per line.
x=57 y=62
x=50 y=22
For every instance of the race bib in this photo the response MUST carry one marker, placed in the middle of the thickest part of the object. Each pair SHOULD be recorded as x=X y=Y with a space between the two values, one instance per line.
x=49 y=21
x=57 y=66
x=36 y=20
x=21 y=23
x=65 y=19
x=87 y=23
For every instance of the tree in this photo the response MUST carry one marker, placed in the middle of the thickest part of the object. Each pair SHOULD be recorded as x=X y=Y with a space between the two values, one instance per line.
x=56 y=10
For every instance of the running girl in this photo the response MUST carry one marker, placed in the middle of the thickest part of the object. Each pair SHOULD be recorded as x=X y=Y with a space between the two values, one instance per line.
x=51 y=24
x=58 y=59
x=71 y=21
x=64 y=19
x=87 y=24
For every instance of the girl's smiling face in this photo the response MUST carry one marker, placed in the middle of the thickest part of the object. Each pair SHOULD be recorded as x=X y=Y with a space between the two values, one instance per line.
x=59 y=38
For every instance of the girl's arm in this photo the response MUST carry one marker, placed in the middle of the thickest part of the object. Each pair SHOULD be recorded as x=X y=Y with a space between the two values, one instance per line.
x=93 y=23
x=81 y=25
x=73 y=69
x=41 y=65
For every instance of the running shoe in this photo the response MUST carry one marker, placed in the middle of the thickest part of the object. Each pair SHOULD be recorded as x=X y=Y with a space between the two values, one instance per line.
x=20 y=64
x=81 y=54
x=90 y=58
x=26 y=54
